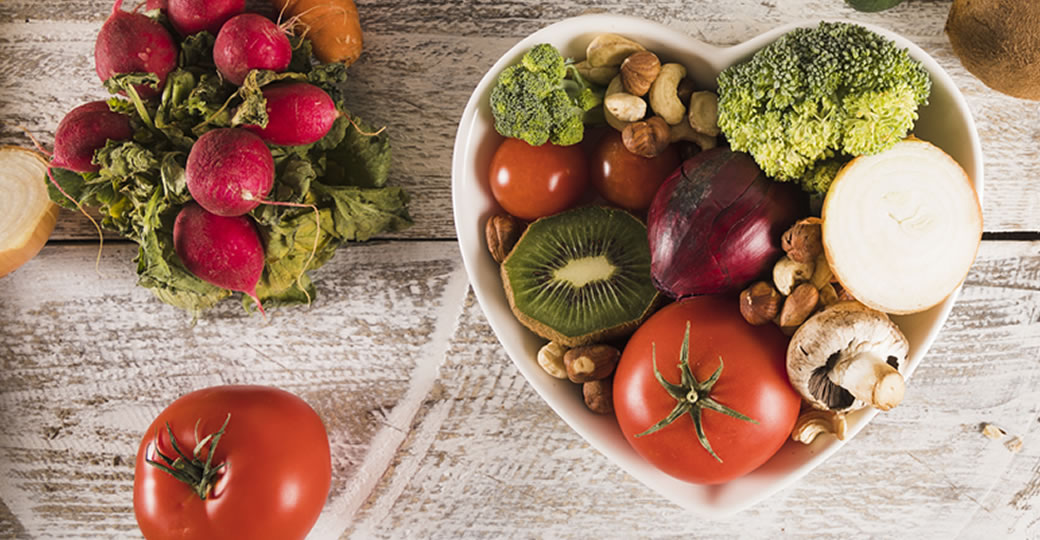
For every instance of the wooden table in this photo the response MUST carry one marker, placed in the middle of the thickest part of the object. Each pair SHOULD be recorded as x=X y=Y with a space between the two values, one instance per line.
x=434 y=433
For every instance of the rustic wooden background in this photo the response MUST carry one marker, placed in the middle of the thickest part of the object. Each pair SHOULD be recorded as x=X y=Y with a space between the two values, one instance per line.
x=434 y=432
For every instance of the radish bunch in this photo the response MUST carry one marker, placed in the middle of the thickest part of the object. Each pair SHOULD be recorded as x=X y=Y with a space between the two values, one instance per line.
x=209 y=160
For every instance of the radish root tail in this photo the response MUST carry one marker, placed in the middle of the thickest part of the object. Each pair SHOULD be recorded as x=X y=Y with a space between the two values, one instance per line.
x=101 y=235
x=296 y=20
x=36 y=142
x=363 y=132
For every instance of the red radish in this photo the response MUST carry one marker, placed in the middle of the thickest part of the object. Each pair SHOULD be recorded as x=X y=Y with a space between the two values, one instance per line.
x=298 y=113
x=191 y=16
x=230 y=171
x=85 y=129
x=149 y=5
x=130 y=43
x=250 y=41
x=224 y=251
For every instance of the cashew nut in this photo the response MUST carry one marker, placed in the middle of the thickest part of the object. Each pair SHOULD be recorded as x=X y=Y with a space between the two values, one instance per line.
x=704 y=112
x=664 y=94
x=822 y=274
x=610 y=50
x=813 y=422
x=625 y=107
x=787 y=274
x=615 y=86
x=600 y=75
x=550 y=358
x=684 y=132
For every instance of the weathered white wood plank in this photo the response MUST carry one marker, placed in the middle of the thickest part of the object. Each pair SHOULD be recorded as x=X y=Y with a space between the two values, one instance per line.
x=502 y=461
x=88 y=361
x=86 y=364
x=423 y=59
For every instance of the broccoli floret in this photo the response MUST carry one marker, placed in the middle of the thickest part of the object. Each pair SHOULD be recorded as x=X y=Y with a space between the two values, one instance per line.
x=819 y=96
x=543 y=98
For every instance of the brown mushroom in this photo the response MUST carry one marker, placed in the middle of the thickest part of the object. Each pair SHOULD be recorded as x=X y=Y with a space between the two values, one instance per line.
x=846 y=357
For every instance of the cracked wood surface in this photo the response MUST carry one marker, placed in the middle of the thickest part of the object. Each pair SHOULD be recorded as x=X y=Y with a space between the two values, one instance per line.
x=434 y=432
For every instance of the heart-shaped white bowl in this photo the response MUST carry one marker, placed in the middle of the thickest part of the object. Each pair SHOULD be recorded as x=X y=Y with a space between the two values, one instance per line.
x=946 y=121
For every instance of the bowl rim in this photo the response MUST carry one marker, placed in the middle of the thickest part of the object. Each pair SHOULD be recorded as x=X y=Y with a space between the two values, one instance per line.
x=709 y=53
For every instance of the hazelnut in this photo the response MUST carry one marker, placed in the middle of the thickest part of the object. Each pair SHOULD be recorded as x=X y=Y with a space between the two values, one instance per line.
x=599 y=396
x=647 y=138
x=590 y=362
x=639 y=71
x=502 y=232
x=550 y=358
x=760 y=303
x=798 y=306
x=803 y=242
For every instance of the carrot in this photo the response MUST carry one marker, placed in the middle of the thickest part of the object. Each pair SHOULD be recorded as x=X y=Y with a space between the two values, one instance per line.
x=332 y=26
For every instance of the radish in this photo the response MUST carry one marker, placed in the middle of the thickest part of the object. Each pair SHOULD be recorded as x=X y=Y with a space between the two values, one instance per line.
x=130 y=43
x=83 y=131
x=150 y=5
x=298 y=113
x=250 y=41
x=229 y=171
x=221 y=250
x=191 y=16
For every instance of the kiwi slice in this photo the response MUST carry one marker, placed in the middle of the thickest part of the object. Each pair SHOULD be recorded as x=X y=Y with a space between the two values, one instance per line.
x=581 y=276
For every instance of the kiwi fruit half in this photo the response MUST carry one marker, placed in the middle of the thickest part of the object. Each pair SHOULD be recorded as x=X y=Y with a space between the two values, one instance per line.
x=581 y=276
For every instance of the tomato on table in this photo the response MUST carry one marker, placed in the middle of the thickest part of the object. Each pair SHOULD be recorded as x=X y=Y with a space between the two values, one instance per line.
x=267 y=461
x=531 y=182
x=746 y=414
x=626 y=179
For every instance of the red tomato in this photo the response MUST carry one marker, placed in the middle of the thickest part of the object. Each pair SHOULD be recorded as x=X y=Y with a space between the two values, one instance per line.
x=626 y=179
x=531 y=182
x=275 y=467
x=753 y=382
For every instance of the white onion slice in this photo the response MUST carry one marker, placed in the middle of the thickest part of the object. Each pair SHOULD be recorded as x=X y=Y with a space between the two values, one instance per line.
x=901 y=228
x=27 y=215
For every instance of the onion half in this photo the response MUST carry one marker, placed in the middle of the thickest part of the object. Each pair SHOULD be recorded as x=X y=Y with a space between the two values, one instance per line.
x=27 y=215
x=901 y=228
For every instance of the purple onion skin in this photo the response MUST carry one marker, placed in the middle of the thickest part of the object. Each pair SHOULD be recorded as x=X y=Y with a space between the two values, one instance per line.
x=716 y=222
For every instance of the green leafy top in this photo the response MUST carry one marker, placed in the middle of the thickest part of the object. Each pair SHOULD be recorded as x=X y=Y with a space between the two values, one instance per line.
x=819 y=96
x=141 y=186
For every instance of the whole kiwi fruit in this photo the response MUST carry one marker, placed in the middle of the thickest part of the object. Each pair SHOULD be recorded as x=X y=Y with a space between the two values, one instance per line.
x=998 y=41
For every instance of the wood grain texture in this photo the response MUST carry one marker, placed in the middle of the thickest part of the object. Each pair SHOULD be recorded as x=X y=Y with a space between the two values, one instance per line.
x=436 y=434
x=423 y=59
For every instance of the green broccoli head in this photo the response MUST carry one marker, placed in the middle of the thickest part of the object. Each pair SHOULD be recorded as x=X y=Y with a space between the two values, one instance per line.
x=542 y=99
x=826 y=93
x=544 y=58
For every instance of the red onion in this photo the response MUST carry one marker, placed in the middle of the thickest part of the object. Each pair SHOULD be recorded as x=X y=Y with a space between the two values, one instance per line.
x=715 y=224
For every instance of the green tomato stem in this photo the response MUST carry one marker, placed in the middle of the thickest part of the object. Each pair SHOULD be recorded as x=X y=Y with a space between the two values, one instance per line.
x=691 y=396
x=197 y=474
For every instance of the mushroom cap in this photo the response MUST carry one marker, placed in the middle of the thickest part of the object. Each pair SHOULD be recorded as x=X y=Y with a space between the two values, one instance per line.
x=842 y=329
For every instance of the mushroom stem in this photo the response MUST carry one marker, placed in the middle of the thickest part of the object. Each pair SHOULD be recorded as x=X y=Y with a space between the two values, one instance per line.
x=869 y=377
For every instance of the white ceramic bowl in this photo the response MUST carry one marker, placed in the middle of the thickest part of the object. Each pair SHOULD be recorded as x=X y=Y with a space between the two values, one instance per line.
x=946 y=121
